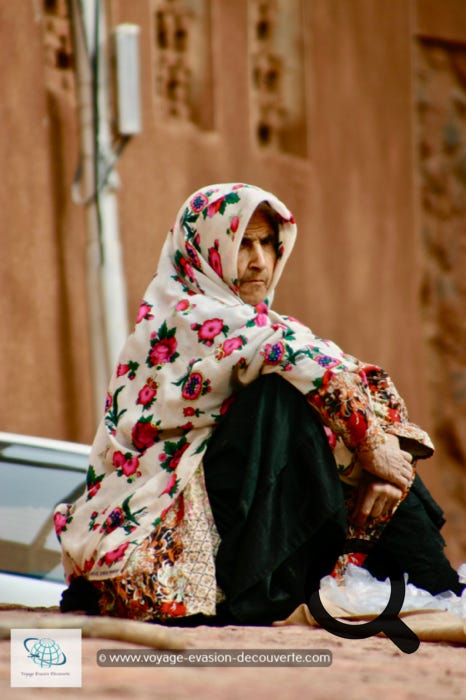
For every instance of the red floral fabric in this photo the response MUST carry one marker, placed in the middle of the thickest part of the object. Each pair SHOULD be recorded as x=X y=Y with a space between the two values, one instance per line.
x=195 y=343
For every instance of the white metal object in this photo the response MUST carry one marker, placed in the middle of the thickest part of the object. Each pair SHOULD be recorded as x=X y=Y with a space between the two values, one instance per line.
x=25 y=590
x=50 y=459
x=126 y=38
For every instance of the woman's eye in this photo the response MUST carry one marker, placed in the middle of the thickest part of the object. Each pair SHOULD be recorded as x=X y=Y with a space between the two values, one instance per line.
x=269 y=242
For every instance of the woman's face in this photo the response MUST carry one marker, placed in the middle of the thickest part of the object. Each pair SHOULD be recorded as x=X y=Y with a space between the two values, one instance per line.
x=257 y=257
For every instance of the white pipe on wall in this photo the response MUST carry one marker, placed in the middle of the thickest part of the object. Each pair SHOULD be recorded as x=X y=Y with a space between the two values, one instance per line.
x=106 y=289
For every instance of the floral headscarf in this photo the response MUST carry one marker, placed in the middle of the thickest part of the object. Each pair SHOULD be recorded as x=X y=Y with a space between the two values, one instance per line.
x=195 y=343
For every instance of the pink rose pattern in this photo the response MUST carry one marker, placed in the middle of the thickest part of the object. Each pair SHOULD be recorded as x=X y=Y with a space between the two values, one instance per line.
x=144 y=313
x=125 y=464
x=61 y=521
x=163 y=346
x=209 y=330
x=262 y=316
x=114 y=555
x=147 y=394
x=135 y=406
x=174 y=379
x=144 y=434
x=215 y=260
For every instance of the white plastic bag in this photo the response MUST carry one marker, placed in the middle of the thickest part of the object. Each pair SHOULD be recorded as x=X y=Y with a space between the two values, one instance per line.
x=362 y=594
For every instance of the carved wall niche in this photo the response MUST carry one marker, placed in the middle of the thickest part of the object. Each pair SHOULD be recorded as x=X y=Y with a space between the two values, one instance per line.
x=441 y=123
x=276 y=84
x=181 y=48
x=59 y=61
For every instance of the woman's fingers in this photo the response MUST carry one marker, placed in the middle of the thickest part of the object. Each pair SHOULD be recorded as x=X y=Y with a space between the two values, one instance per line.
x=375 y=498
x=389 y=463
x=408 y=457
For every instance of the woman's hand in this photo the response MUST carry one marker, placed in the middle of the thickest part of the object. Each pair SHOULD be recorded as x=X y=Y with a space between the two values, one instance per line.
x=390 y=463
x=375 y=498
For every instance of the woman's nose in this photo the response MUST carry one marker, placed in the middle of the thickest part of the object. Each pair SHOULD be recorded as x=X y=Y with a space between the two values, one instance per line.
x=257 y=255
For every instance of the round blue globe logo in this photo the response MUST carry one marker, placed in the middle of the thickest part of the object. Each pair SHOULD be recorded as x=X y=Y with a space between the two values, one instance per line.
x=44 y=652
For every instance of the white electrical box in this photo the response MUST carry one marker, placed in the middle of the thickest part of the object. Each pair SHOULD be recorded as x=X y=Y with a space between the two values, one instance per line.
x=128 y=79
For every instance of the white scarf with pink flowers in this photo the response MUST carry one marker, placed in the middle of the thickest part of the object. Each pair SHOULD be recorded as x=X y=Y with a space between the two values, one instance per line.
x=195 y=343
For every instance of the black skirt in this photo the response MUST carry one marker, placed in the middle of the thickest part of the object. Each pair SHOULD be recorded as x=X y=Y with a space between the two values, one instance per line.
x=279 y=506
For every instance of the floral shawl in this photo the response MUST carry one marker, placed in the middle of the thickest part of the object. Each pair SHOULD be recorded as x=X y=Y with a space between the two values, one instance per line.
x=195 y=343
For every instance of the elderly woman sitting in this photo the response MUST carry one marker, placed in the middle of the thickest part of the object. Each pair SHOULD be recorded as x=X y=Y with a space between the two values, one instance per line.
x=241 y=457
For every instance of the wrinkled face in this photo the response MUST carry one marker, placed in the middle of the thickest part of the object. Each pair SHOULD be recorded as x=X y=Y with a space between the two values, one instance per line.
x=256 y=258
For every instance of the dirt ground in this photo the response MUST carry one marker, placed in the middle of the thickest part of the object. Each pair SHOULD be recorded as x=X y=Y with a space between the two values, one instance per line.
x=369 y=669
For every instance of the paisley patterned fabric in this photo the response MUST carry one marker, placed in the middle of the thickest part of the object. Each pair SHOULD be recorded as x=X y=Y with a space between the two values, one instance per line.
x=195 y=344
x=172 y=573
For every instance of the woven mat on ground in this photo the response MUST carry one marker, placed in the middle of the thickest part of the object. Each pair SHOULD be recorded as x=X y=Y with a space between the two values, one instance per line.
x=143 y=633
x=427 y=625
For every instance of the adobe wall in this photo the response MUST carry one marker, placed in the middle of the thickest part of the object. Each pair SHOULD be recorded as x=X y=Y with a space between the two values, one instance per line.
x=352 y=193
x=44 y=379
x=440 y=109
x=336 y=137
